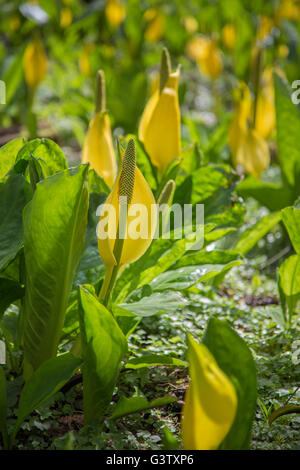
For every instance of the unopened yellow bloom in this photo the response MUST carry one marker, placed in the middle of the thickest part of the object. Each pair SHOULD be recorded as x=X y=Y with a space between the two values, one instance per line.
x=288 y=9
x=206 y=53
x=229 y=35
x=65 y=17
x=190 y=24
x=115 y=12
x=252 y=153
x=156 y=25
x=248 y=148
x=34 y=63
x=265 y=120
x=159 y=128
x=131 y=184
x=98 y=148
x=210 y=402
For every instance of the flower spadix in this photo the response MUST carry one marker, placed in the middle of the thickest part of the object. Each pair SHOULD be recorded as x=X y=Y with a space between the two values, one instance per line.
x=210 y=402
x=98 y=148
x=128 y=217
x=34 y=63
x=159 y=128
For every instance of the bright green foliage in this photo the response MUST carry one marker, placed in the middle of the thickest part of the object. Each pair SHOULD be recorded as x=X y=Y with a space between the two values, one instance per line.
x=103 y=347
x=54 y=230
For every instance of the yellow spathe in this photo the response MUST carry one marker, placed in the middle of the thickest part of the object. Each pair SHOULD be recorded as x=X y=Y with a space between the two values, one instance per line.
x=210 y=402
x=229 y=35
x=159 y=128
x=206 y=53
x=98 y=148
x=115 y=12
x=34 y=63
x=133 y=248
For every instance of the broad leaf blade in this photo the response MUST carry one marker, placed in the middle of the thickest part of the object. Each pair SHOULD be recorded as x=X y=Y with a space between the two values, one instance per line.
x=291 y=219
x=54 y=230
x=8 y=155
x=103 y=348
x=127 y=406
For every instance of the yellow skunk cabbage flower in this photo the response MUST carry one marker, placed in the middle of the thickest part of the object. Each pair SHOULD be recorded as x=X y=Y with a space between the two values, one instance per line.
x=288 y=9
x=249 y=149
x=229 y=35
x=34 y=63
x=252 y=153
x=131 y=184
x=98 y=148
x=159 y=128
x=207 y=55
x=115 y=12
x=210 y=402
x=265 y=117
x=190 y=24
x=156 y=25
x=65 y=17
x=84 y=59
x=265 y=27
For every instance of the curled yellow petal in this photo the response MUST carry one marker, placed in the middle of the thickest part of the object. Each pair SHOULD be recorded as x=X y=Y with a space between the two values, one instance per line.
x=160 y=124
x=115 y=12
x=98 y=148
x=34 y=63
x=141 y=214
x=210 y=402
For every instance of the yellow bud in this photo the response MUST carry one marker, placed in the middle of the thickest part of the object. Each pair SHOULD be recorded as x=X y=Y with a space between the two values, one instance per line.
x=207 y=55
x=34 y=63
x=156 y=27
x=65 y=17
x=159 y=128
x=98 y=148
x=210 y=402
x=229 y=35
x=131 y=184
x=190 y=24
x=115 y=12
x=84 y=59
x=252 y=153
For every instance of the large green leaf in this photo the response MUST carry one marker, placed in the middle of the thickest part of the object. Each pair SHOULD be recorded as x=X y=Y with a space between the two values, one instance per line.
x=9 y=292
x=291 y=219
x=8 y=154
x=50 y=377
x=54 y=230
x=151 y=360
x=235 y=359
x=289 y=285
x=44 y=150
x=127 y=406
x=250 y=237
x=271 y=195
x=14 y=194
x=288 y=131
x=168 y=302
x=103 y=348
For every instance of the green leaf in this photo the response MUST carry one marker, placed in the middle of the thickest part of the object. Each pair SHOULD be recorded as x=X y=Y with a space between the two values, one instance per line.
x=168 y=302
x=235 y=359
x=103 y=348
x=127 y=406
x=283 y=411
x=14 y=194
x=250 y=237
x=44 y=150
x=291 y=220
x=13 y=76
x=289 y=284
x=9 y=292
x=8 y=155
x=208 y=257
x=50 y=377
x=154 y=360
x=3 y=407
x=54 y=230
x=288 y=131
x=97 y=184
